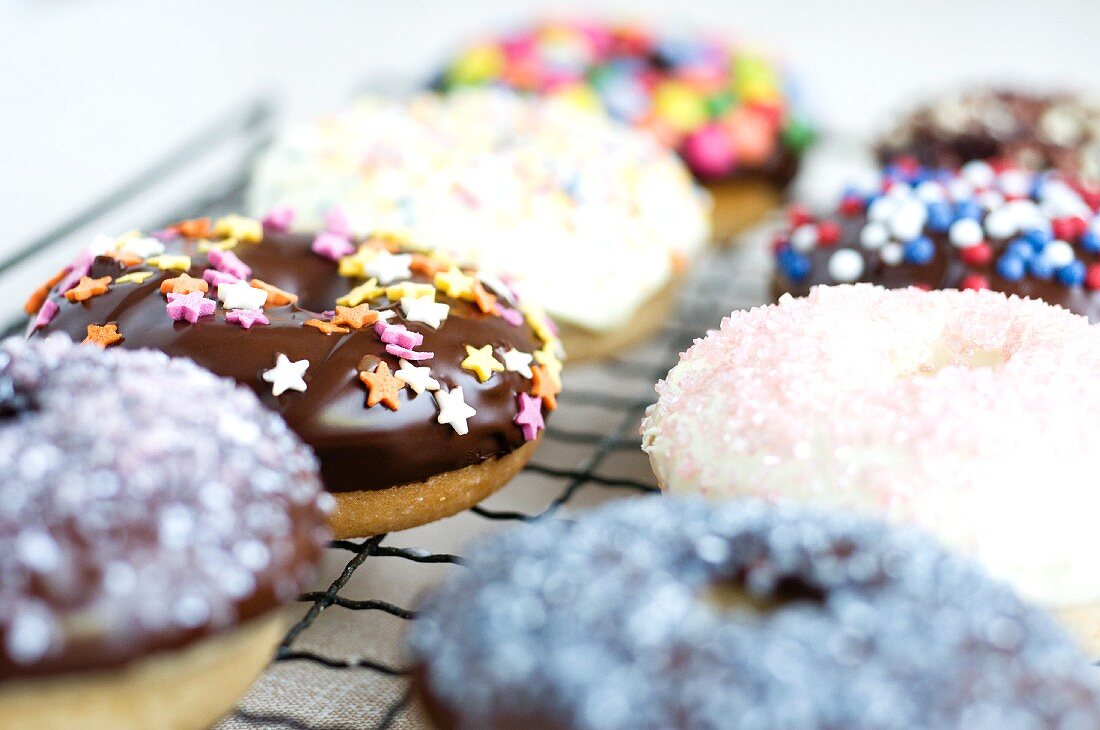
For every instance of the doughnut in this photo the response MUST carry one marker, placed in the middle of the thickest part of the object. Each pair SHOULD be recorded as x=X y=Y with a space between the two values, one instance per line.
x=421 y=384
x=1036 y=130
x=659 y=613
x=154 y=519
x=735 y=117
x=559 y=199
x=983 y=227
x=963 y=411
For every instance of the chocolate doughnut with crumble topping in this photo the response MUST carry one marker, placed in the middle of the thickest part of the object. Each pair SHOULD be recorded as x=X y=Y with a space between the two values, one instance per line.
x=153 y=520
x=421 y=384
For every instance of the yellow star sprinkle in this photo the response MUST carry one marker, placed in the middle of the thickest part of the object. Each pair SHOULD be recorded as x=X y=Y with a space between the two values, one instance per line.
x=482 y=362
x=226 y=245
x=240 y=227
x=134 y=277
x=166 y=262
x=365 y=291
x=550 y=362
x=410 y=289
x=354 y=265
x=454 y=283
x=537 y=321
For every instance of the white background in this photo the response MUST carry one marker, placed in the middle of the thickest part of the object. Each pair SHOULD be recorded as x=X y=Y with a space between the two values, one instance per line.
x=93 y=90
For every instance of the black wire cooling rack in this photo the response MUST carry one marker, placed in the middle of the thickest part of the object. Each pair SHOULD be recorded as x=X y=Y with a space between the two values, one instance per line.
x=349 y=672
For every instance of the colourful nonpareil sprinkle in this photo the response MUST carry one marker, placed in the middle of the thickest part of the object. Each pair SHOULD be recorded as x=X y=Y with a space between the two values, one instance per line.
x=246 y=317
x=286 y=375
x=382 y=387
x=189 y=307
x=102 y=335
x=529 y=417
x=481 y=362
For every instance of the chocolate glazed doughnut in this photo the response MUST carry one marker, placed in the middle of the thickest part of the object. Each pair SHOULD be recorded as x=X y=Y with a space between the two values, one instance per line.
x=420 y=385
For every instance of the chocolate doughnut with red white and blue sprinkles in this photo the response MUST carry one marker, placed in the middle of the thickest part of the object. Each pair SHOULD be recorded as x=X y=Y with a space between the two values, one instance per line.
x=421 y=384
x=1035 y=130
x=662 y=612
x=154 y=519
x=985 y=226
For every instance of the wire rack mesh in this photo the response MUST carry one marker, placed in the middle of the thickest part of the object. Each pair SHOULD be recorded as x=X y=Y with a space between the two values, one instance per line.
x=340 y=664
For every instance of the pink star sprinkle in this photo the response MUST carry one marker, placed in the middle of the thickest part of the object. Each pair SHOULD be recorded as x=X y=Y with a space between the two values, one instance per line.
x=332 y=246
x=189 y=307
x=214 y=278
x=79 y=268
x=227 y=262
x=410 y=355
x=529 y=418
x=246 y=317
x=279 y=219
x=511 y=316
x=337 y=223
x=46 y=313
x=165 y=234
x=397 y=334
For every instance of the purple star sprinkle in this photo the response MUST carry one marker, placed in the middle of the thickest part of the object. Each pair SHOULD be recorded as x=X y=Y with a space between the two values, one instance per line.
x=529 y=418
x=214 y=278
x=279 y=219
x=228 y=262
x=337 y=223
x=46 y=313
x=246 y=317
x=511 y=316
x=332 y=246
x=411 y=355
x=165 y=234
x=80 y=267
x=397 y=334
x=189 y=307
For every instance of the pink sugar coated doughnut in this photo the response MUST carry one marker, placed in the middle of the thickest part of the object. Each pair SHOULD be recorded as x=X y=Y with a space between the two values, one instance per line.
x=969 y=412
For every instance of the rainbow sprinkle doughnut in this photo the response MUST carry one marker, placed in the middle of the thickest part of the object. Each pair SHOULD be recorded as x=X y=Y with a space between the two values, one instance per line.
x=970 y=413
x=729 y=111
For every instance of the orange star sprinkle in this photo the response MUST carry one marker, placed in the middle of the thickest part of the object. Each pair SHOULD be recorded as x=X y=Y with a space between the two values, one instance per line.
x=88 y=288
x=543 y=386
x=355 y=317
x=484 y=300
x=276 y=297
x=38 y=298
x=327 y=327
x=102 y=335
x=126 y=258
x=194 y=228
x=425 y=265
x=382 y=386
x=183 y=284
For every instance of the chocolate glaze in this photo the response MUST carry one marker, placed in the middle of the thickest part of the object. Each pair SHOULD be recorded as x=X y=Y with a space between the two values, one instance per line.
x=998 y=124
x=360 y=448
x=946 y=270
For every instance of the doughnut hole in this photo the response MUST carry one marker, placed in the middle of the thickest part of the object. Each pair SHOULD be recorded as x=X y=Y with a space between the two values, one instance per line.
x=942 y=355
x=731 y=596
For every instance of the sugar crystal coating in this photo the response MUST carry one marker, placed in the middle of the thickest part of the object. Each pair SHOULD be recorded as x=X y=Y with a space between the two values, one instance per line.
x=144 y=503
x=599 y=623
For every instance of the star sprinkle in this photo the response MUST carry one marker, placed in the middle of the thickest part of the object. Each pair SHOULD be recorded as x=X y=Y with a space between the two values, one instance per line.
x=216 y=278
x=87 y=288
x=453 y=409
x=422 y=264
x=544 y=386
x=398 y=334
x=327 y=327
x=332 y=246
x=240 y=295
x=286 y=375
x=497 y=286
x=227 y=244
x=41 y=294
x=102 y=335
x=246 y=317
x=134 y=277
x=125 y=258
x=165 y=262
x=336 y=222
x=410 y=289
x=189 y=307
x=454 y=283
x=354 y=265
x=518 y=362
x=482 y=362
x=382 y=387
x=142 y=246
x=276 y=297
x=240 y=227
x=366 y=291
x=355 y=317
x=279 y=219
x=79 y=268
x=549 y=360
x=183 y=284
x=46 y=313
x=229 y=263
x=418 y=379
x=485 y=301
x=424 y=310
x=388 y=267
x=509 y=315
x=529 y=417
x=193 y=228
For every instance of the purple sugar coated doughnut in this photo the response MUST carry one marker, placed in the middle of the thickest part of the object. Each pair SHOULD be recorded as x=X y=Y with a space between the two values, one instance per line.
x=841 y=622
x=144 y=504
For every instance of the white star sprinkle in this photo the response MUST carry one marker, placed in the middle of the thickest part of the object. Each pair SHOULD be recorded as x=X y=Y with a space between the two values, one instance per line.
x=143 y=246
x=518 y=362
x=497 y=286
x=239 y=295
x=387 y=267
x=425 y=310
x=417 y=378
x=453 y=410
x=286 y=375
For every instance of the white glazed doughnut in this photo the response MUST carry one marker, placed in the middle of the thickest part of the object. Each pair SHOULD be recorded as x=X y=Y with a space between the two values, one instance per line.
x=971 y=413
x=540 y=189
